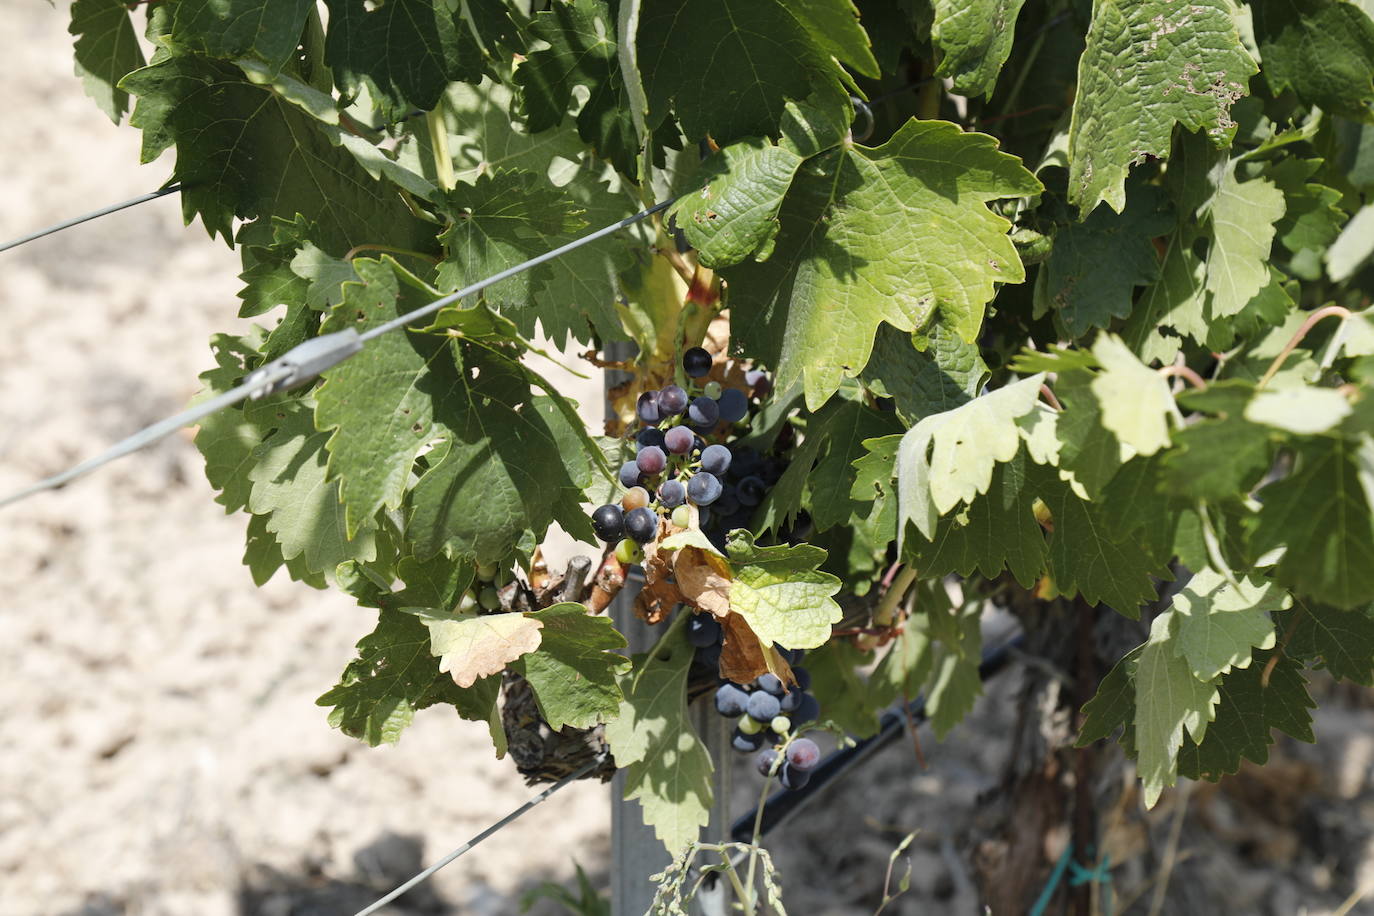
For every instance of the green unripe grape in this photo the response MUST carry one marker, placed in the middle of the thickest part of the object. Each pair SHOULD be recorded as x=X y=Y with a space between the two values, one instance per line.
x=627 y=551
x=712 y=390
x=486 y=572
x=489 y=598
x=750 y=726
x=467 y=603
x=682 y=517
x=780 y=724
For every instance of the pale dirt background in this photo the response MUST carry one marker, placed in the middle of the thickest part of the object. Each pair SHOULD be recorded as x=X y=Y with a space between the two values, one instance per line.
x=160 y=750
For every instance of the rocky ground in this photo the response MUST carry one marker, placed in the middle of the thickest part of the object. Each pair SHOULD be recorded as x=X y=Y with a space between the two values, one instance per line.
x=162 y=753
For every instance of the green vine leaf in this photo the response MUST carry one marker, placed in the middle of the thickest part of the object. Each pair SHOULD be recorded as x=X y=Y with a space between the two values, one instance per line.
x=1253 y=702
x=948 y=458
x=667 y=767
x=242 y=28
x=573 y=671
x=1321 y=514
x=511 y=217
x=393 y=676
x=1219 y=623
x=405 y=51
x=106 y=50
x=926 y=374
x=1134 y=399
x=1169 y=700
x=781 y=592
x=481 y=492
x=1342 y=640
x=761 y=49
x=1243 y=214
x=1148 y=66
x=735 y=214
x=871 y=235
x=1321 y=49
x=1095 y=265
x=974 y=40
x=582 y=51
x=290 y=486
x=244 y=152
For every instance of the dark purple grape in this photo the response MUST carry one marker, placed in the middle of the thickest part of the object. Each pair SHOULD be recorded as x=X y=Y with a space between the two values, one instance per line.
x=759 y=382
x=792 y=700
x=708 y=657
x=763 y=707
x=704 y=412
x=803 y=678
x=727 y=503
x=731 y=700
x=764 y=761
x=704 y=489
x=649 y=436
x=803 y=755
x=679 y=440
x=646 y=407
x=672 y=494
x=703 y=630
x=630 y=474
x=672 y=401
x=641 y=524
x=747 y=744
x=703 y=515
x=733 y=405
x=652 y=460
x=770 y=683
x=696 y=362
x=715 y=459
x=793 y=656
x=751 y=491
x=609 y=523
x=807 y=710
x=791 y=778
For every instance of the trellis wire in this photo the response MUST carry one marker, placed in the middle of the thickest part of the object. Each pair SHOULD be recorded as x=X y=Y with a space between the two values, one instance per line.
x=103 y=211
x=278 y=371
x=494 y=828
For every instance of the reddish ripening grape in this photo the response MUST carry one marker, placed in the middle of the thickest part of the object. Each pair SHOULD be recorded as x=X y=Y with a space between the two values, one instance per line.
x=651 y=460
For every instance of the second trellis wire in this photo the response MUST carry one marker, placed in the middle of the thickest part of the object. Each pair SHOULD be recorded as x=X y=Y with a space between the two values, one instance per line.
x=304 y=362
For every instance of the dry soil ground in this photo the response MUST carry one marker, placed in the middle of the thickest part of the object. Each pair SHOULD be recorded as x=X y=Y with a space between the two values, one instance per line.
x=160 y=750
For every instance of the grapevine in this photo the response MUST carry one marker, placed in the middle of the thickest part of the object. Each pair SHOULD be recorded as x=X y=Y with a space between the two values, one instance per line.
x=1076 y=326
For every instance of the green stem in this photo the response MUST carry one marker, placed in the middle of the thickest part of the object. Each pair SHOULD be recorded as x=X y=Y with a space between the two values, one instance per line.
x=1296 y=339
x=390 y=249
x=758 y=827
x=438 y=139
x=887 y=608
x=746 y=901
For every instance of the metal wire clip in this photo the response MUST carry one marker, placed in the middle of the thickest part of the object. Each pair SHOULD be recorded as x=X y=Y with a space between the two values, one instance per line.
x=303 y=362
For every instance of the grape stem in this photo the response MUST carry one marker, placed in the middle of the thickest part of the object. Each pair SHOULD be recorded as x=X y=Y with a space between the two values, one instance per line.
x=1049 y=397
x=1296 y=339
x=389 y=249
x=887 y=607
x=748 y=903
x=1184 y=373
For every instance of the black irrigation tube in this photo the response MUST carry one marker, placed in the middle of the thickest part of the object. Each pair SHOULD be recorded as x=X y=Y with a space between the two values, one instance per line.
x=784 y=803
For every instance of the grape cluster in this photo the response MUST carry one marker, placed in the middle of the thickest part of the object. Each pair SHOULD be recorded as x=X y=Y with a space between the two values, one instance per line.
x=768 y=711
x=675 y=465
x=483 y=596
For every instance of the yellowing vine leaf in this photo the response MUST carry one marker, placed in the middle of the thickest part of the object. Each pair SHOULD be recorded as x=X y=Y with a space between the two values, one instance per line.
x=473 y=646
